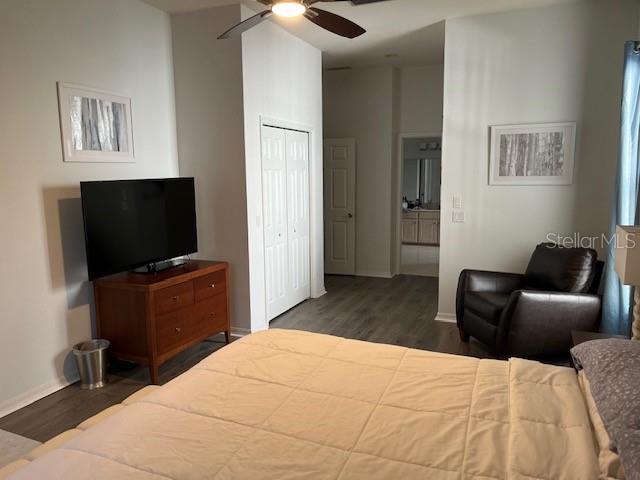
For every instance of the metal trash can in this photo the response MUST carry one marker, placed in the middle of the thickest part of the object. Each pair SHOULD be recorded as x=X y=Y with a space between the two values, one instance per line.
x=91 y=358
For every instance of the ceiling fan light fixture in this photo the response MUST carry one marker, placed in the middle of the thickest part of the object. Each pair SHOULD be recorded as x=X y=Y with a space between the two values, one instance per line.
x=289 y=8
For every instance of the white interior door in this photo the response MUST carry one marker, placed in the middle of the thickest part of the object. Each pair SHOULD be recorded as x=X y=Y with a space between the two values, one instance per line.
x=340 y=206
x=274 y=200
x=297 y=144
x=285 y=194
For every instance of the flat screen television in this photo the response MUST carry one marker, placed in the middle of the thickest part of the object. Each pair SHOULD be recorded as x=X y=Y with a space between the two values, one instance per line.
x=135 y=223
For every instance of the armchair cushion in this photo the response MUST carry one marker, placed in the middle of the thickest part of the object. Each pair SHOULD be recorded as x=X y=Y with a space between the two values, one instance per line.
x=486 y=305
x=554 y=268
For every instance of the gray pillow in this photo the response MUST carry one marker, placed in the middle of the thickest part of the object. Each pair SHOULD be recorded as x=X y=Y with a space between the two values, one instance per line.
x=612 y=368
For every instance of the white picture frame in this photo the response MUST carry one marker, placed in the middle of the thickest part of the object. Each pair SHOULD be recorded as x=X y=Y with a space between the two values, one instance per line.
x=96 y=125
x=532 y=154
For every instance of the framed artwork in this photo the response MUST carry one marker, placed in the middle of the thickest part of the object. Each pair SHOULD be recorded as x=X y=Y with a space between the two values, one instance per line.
x=535 y=154
x=96 y=125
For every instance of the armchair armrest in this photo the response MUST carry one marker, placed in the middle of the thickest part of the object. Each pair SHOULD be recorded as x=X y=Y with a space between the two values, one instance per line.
x=483 y=281
x=496 y=282
x=540 y=323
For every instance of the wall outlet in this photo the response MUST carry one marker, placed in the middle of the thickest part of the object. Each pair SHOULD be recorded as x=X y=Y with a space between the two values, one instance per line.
x=457 y=202
x=458 y=217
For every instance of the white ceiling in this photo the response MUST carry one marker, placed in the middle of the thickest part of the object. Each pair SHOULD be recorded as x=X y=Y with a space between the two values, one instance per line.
x=411 y=29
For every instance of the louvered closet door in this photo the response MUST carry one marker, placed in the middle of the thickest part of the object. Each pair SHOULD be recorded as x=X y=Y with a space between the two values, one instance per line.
x=297 y=144
x=274 y=198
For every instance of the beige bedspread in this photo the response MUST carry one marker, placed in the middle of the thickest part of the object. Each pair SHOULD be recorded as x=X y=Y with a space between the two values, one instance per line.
x=284 y=404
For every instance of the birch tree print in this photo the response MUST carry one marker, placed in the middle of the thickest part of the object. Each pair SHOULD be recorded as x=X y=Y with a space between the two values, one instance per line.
x=532 y=154
x=98 y=125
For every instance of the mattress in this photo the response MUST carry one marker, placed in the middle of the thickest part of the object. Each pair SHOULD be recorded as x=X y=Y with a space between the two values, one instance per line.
x=285 y=404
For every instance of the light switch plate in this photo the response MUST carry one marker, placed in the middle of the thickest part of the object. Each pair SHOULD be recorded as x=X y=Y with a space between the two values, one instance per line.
x=457 y=202
x=458 y=217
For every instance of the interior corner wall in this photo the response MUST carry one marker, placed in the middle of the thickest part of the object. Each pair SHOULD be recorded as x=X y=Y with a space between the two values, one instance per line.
x=358 y=104
x=210 y=128
x=47 y=302
x=396 y=196
x=552 y=64
x=421 y=96
x=282 y=80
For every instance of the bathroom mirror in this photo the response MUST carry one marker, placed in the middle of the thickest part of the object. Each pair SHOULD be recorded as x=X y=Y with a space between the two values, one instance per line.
x=422 y=171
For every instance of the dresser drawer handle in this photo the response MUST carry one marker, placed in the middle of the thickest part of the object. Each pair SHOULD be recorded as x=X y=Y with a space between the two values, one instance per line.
x=213 y=285
x=212 y=314
x=178 y=329
x=175 y=299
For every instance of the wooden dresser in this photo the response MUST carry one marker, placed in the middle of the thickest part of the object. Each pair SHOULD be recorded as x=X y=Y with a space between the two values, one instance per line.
x=149 y=318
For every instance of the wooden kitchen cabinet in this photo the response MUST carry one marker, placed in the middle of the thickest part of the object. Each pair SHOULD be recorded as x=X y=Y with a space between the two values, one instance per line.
x=421 y=227
x=409 y=230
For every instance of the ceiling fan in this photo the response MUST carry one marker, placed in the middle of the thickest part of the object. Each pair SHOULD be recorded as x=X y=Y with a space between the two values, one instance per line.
x=294 y=8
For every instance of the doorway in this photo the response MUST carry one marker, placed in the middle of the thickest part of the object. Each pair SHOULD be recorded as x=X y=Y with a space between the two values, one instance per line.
x=420 y=165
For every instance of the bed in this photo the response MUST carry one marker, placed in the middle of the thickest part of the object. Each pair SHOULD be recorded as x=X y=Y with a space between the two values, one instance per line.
x=284 y=404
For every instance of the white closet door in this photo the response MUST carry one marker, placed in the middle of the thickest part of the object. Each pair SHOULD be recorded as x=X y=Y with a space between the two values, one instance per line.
x=274 y=198
x=297 y=144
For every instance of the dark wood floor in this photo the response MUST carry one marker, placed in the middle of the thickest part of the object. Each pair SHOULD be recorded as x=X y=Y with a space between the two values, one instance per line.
x=398 y=311
x=70 y=406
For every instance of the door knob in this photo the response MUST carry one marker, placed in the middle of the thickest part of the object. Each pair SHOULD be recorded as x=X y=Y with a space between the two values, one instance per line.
x=349 y=215
x=178 y=329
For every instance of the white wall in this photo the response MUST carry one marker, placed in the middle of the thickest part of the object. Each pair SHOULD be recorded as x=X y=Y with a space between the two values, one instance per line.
x=282 y=78
x=208 y=80
x=120 y=45
x=421 y=94
x=560 y=63
x=359 y=104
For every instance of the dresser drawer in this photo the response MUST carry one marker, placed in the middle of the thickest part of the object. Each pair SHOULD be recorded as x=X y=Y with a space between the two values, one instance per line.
x=210 y=316
x=174 y=297
x=210 y=285
x=174 y=328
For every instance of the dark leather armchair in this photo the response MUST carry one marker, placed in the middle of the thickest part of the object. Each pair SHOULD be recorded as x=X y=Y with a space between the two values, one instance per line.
x=532 y=314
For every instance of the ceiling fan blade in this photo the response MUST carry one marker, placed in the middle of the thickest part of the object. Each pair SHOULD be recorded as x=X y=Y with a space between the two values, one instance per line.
x=364 y=2
x=246 y=24
x=334 y=23
x=355 y=2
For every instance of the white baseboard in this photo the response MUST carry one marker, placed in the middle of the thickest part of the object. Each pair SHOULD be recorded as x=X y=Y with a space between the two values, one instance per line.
x=27 y=398
x=371 y=273
x=446 y=317
x=239 y=332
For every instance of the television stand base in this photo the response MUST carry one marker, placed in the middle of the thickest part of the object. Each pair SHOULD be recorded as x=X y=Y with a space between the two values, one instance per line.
x=157 y=267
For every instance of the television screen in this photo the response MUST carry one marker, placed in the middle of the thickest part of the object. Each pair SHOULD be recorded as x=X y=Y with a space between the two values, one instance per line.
x=131 y=223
